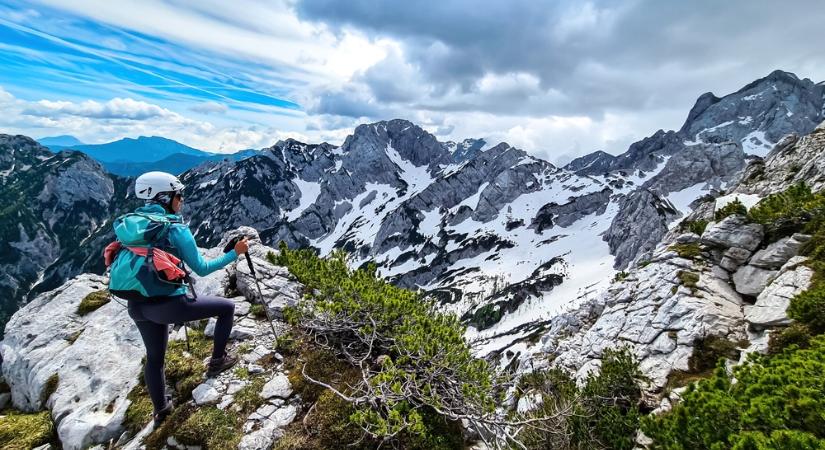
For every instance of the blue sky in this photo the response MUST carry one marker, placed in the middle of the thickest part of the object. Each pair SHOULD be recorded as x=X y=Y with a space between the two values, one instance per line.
x=558 y=78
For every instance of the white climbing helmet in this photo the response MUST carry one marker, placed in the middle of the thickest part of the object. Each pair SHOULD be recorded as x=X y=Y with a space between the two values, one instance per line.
x=150 y=184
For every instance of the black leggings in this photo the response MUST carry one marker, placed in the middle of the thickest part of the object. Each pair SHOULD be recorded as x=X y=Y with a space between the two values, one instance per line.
x=153 y=318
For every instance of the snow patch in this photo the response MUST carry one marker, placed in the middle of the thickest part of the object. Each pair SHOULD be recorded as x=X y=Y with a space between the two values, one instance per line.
x=755 y=143
x=749 y=200
x=309 y=194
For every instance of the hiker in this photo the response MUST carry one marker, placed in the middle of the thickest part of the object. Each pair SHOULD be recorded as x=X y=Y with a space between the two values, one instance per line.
x=146 y=270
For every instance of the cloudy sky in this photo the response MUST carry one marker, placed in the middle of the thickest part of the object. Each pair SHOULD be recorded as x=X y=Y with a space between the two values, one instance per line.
x=557 y=78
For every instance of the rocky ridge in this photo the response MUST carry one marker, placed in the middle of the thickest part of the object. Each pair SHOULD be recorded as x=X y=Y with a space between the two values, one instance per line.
x=731 y=284
x=82 y=367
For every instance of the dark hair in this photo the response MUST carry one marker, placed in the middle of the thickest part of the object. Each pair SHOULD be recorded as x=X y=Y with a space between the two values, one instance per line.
x=165 y=199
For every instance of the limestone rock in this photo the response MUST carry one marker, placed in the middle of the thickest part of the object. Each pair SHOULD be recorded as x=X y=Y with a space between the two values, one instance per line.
x=751 y=280
x=772 y=303
x=278 y=386
x=733 y=258
x=205 y=394
x=733 y=231
x=96 y=358
x=779 y=252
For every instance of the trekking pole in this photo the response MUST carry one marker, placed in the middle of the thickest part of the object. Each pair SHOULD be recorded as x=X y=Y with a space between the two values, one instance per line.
x=230 y=246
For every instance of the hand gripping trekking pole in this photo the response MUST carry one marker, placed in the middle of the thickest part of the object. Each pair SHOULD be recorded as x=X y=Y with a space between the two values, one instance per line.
x=229 y=246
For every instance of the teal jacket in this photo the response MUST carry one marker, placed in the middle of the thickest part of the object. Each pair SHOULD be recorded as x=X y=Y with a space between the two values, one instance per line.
x=184 y=245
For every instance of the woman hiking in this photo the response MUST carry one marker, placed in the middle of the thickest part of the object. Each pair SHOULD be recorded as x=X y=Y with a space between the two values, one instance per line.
x=146 y=270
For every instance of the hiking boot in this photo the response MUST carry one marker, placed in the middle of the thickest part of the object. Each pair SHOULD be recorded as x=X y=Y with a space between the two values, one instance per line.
x=218 y=365
x=161 y=415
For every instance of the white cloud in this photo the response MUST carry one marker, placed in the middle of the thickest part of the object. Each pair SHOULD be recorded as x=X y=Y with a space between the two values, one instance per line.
x=210 y=108
x=116 y=108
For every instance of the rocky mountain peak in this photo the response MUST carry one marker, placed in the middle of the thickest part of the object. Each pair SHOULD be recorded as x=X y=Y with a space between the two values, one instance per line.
x=412 y=142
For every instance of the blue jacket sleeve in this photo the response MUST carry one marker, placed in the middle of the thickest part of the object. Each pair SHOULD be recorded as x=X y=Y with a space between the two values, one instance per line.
x=181 y=237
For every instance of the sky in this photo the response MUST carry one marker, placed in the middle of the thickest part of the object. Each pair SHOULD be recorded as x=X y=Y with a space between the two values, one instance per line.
x=558 y=79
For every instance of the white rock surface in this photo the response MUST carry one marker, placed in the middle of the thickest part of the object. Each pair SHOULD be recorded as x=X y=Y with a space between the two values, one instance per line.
x=95 y=371
x=205 y=394
x=751 y=280
x=771 y=305
x=278 y=386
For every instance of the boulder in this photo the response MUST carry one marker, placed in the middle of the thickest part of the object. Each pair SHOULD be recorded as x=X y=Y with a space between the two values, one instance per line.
x=733 y=231
x=750 y=280
x=733 y=258
x=278 y=386
x=205 y=394
x=779 y=252
x=772 y=303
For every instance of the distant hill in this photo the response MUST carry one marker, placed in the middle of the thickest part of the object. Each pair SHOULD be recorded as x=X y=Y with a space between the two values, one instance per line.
x=142 y=149
x=176 y=164
x=64 y=140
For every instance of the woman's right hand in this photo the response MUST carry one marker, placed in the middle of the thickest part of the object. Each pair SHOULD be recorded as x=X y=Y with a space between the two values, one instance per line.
x=241 y=246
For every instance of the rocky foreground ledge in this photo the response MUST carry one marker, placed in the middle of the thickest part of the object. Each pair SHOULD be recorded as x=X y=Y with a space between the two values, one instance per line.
x=78 y=355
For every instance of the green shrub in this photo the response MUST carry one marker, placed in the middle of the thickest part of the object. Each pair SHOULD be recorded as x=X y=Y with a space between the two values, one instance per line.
x=419 y=355
x=775 y=400
x=603 y=413
x=796 y=202
x=19 y=431
x=734 y=207
x=797 y=334
x=809 y=308
x=620 y=276
x=92 y=302
x=694 y=226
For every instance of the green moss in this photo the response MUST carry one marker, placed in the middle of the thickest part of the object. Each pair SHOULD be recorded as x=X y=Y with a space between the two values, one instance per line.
x=242 y=373
x=211 y=428
x=92 y=302
x=325 y=426
x=20 y=431
x=244 y=348
x=620 y=276
x=140 y=409
x=688 y=279
x=248 y=398
x=257 y=310
x=48 y=388
x=687 y=251
x=184 y=370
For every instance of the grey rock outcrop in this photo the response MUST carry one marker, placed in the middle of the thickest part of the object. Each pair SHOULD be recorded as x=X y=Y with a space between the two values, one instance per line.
x=751 y=280
x=772 y=303
x=639 y=226
x=94 y=359
x=733 y=231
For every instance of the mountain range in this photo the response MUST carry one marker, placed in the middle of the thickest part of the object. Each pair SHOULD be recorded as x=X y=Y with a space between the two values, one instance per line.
x=131 y=157
x=502 y=238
